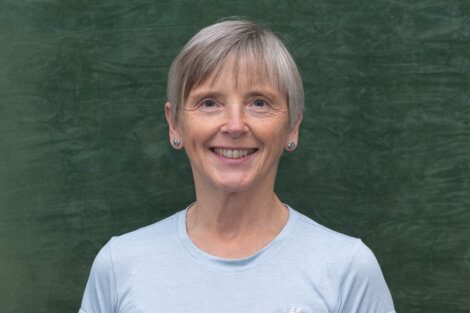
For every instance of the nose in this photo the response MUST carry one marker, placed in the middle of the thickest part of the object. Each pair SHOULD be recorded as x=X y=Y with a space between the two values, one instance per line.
x=235 y=122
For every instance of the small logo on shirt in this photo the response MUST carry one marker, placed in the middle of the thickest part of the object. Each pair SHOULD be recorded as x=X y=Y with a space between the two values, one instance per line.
x=295 y=310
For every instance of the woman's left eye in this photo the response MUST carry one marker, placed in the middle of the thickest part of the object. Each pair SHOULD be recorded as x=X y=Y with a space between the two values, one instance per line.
x=260 y=103
x=208 y=103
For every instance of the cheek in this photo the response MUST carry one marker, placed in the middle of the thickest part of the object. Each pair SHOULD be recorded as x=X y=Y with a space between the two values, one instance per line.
x=275 y=132
x=196 y=136
x=189 y=128
x=273 y=140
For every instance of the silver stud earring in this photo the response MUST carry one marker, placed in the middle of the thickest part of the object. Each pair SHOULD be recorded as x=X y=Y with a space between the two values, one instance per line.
x=291 y=146
x=176 y=142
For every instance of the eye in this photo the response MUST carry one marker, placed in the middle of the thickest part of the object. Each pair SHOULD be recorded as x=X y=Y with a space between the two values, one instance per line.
x=208 y=103
x=259 y=103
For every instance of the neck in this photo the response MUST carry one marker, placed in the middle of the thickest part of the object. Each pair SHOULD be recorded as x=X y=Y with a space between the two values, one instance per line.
x=233 y=216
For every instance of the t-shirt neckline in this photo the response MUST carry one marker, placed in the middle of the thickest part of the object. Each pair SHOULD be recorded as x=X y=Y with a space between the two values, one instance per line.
x=216 y=262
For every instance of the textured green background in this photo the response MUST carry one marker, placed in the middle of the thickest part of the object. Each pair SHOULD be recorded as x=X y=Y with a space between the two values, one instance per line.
x=384 y=150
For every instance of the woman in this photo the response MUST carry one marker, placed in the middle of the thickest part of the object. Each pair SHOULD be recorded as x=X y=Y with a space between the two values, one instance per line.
x=235 y=102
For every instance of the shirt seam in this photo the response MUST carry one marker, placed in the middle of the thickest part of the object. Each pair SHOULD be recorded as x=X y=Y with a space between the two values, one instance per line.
x=210 y=267
x=346 y=268
x=114 y=276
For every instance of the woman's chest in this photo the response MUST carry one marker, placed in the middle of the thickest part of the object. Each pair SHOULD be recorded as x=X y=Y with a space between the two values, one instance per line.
x=221 y=292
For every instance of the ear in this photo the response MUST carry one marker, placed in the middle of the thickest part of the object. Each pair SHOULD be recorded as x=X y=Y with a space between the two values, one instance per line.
x=173 y=132
x=293 y=135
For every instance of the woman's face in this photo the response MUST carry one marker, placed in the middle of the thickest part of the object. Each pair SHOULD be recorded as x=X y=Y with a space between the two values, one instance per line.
x=234 y=131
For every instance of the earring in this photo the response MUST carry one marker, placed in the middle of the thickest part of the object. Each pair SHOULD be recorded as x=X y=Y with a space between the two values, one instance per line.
x=291 y=146
x=176 y=142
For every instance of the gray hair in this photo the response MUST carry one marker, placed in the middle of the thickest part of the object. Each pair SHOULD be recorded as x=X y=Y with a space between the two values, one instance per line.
x=207 y=52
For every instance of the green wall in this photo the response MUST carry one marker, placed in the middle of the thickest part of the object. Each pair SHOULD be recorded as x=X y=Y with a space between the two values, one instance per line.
x=384 y=150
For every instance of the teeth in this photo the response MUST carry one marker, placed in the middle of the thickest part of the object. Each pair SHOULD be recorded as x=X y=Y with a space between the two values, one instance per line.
x=233 y=154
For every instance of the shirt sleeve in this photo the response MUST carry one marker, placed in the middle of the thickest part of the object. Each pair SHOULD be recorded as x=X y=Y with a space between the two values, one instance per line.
x=363 y=288
x=100 y=291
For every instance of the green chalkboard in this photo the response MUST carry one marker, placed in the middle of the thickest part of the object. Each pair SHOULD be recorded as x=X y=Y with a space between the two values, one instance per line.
x=384 y=149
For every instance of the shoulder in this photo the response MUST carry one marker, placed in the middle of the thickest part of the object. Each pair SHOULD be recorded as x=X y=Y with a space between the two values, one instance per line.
x=159 y=231
x=122 y=257
x=149 y=241
x=348 y=264
x=342 y=251
x=323 y=240
x=363 y=287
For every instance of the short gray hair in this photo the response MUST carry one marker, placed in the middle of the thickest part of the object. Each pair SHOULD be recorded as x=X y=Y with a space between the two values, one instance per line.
x=207 y=52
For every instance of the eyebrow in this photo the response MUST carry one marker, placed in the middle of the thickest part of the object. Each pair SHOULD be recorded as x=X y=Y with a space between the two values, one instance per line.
x=265 y=93
x=204 y=94
x=252 y=93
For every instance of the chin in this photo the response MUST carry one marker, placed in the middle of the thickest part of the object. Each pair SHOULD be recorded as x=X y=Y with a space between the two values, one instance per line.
x=233 y=186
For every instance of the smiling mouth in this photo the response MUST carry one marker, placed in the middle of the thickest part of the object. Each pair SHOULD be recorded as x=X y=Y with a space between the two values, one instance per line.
x=233 y=153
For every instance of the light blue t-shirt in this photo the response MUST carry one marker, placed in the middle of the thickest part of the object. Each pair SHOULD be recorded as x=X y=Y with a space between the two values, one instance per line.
x=307 y=268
